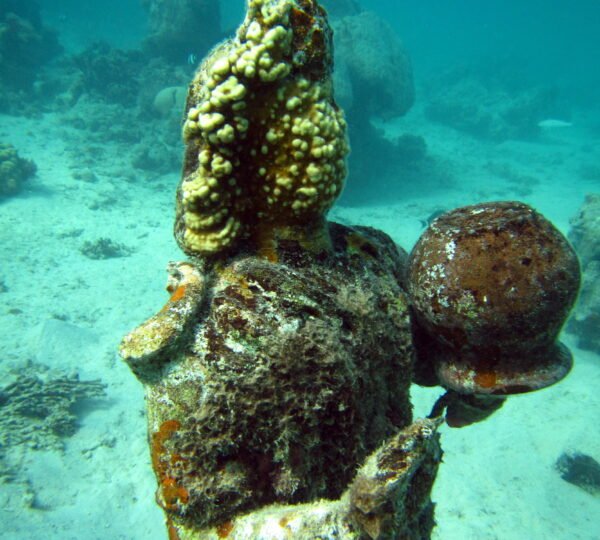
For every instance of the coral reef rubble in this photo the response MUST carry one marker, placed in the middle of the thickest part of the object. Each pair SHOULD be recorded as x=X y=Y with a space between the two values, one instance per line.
x=109 y=74
x=489 y=107
x=14 y=170
x=38 y=409
x=104 y=248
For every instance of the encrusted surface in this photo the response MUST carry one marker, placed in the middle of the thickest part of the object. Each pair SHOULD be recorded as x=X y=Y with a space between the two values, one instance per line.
x=265 y=141
x=492 y=284
x=388 y=499
x=148 y=347
x=294 y=372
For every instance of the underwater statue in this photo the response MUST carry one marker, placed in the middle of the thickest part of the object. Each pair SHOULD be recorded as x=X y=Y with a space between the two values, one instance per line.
x=277 y=374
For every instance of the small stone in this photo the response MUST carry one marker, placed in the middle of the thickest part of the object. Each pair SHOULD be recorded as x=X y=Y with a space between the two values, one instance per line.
x=580 y=470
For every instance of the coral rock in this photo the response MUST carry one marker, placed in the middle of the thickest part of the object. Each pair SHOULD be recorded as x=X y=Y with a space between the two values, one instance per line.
x=586 y=240
x=110 y=74
x=481 y=101
x=377 y=64
x=25 y=44
x=340 y=8
x=580 y=470
x=14 y=170
x=373 y=77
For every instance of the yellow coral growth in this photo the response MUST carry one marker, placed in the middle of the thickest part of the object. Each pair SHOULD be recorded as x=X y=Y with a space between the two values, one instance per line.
x=265 y=140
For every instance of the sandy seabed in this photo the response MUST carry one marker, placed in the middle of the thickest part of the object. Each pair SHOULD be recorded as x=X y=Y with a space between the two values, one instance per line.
x=67 y=311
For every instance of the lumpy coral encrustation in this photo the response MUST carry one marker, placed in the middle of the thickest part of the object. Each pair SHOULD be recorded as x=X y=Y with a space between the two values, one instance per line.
x=266 y=143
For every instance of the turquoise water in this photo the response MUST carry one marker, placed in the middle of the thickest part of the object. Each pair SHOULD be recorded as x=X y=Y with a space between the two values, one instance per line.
x=448 y=104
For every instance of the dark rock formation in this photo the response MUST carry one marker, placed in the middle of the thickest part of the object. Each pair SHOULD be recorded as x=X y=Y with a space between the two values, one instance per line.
x=377 y=64
x=110 y=74
x=26 y=45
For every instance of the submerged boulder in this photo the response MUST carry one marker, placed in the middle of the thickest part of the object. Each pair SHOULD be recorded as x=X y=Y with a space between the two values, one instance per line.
x=180 y=28
x=374 y=78
x=26 y=45
x=584 y=234
x=377 y=65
